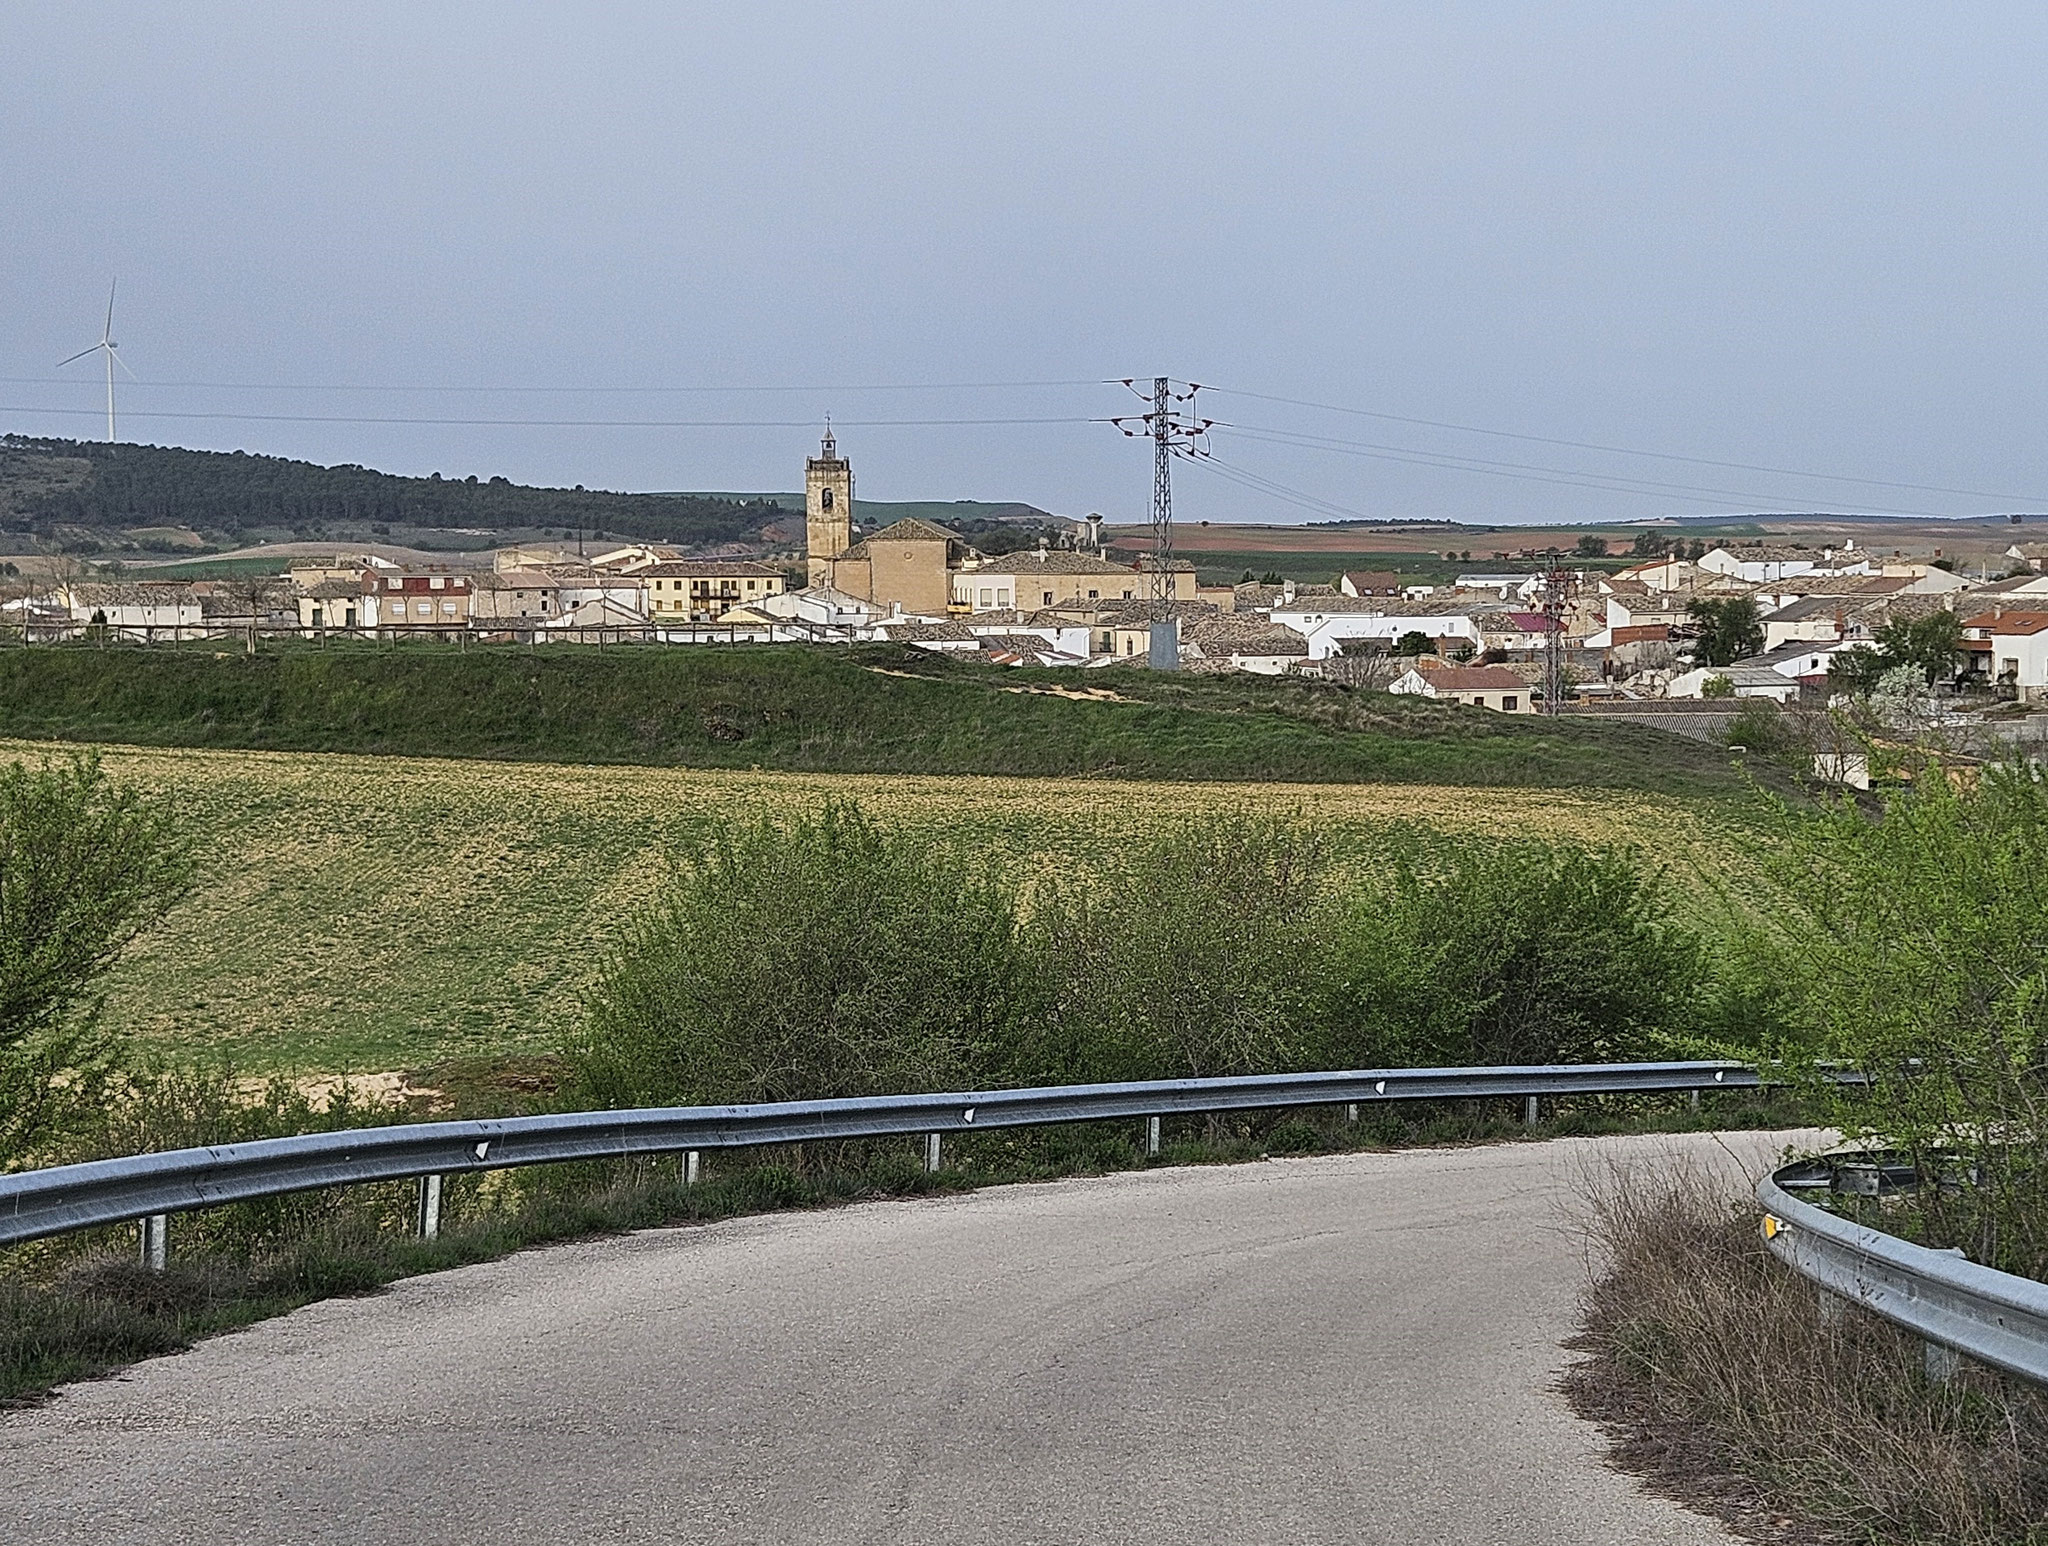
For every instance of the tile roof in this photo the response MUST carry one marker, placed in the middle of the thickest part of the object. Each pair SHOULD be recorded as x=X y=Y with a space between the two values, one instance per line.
x=1470 y=678
x=708 y=569
x=2013 y=624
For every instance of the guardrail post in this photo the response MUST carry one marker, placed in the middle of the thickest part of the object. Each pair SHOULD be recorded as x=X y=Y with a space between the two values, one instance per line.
x=1942 y=1363
x=1351 y=1112
x=1692 y=1099
x=429 y=1216
x=931 y=1153
x=690 y=1168
x=1531 y=1111
x=1152 y=1135
x=156 y=1231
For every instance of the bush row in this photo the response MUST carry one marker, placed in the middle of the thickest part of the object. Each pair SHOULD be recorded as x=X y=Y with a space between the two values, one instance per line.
x=833 y=956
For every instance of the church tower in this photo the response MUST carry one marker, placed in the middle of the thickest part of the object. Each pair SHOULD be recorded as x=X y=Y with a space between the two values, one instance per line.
x=828 y=508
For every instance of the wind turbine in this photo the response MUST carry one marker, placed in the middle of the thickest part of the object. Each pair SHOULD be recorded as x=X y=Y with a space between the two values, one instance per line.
x=106 y=346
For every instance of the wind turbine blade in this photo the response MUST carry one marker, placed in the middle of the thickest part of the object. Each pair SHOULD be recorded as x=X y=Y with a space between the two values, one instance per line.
x=107 y=335
x=116 y=355
x=95 y=349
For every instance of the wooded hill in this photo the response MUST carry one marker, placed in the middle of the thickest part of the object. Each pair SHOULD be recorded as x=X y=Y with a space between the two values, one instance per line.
x=49 y=486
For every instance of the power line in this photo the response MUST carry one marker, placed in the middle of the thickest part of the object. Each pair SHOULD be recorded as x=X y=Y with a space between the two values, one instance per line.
x=1614 y=483
x=565 y=391
x=1259 y=484
x=1664 y=456
x=319 y=418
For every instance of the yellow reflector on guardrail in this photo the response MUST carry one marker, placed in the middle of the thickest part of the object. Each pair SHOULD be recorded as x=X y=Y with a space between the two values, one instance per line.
x=1773 y=1226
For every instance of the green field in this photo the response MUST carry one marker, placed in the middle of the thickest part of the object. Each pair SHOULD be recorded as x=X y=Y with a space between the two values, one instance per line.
x=876 y=709
x=372 y=914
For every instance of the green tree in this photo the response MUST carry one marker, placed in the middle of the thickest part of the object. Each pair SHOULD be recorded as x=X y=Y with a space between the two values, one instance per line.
x=1857 y=669
x=1415 y=642
x=1727 y=630
x=1931 y=643
x=85 y=865
x=1591 y=546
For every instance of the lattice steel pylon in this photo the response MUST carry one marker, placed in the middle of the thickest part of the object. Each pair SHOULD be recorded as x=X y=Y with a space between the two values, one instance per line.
x=1173 y=433
x=1162 y=421
x=1555 y=582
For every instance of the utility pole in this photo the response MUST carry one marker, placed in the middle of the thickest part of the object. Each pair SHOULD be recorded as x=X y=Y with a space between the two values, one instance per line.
x=1173 y=433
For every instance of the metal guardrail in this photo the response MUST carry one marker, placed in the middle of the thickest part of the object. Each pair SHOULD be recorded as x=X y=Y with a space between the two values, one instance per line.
x=39 y=1203
x=1959 y=1307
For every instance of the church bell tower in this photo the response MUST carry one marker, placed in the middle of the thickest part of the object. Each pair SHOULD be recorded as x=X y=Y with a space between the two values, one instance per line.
x=828 y=508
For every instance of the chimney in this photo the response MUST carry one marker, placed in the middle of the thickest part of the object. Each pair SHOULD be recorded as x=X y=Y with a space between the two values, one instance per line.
x=1286 y=591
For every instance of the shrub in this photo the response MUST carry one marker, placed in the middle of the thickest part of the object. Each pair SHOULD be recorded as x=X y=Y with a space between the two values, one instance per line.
x=1917 y=947
x=85 y=865
x=1196 y=952
x=1764 y=730
x=827 y=956
x=1520 y=952
x=1710 y=1366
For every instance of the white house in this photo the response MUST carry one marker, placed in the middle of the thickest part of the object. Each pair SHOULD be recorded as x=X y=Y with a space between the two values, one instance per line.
x=822 y=605
x=1058 y=635
x=1486 y=687
x=1327 y=621
x=142 y=606
x=2010 y=647
x=1242 y=644
x=1775 y=674
x=1759 y=565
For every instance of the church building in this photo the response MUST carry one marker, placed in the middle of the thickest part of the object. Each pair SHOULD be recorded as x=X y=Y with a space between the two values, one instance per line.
x=904 y=566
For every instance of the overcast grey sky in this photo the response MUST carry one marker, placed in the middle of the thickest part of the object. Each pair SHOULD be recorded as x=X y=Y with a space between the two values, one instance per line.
x=1796 y=235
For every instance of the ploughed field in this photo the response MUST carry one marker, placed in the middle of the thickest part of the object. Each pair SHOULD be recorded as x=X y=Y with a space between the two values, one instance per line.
x=366 y=914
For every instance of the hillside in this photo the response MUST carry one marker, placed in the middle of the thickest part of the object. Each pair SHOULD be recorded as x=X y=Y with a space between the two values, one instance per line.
x=82 y=493
x=92 y=498
x=874 y=709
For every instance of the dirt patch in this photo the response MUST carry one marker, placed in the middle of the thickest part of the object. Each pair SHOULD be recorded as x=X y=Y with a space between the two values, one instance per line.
x=1084 y=694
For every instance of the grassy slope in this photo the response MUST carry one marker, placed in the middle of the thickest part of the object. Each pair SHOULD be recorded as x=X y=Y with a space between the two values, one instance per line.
x=375 y=913
x=877 y=710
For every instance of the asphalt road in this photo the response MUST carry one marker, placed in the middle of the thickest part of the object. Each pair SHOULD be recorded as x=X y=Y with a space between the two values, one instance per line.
x=1347 y=1349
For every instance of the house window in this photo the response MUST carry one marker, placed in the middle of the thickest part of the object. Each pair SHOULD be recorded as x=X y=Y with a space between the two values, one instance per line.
x=751 y=584
x=1048 y=599
x=1002 y=595
x=825 y=499
x=1094 y=595
x=1509 y=704
x=987 y=597
x=424 y=608
x=447 y=609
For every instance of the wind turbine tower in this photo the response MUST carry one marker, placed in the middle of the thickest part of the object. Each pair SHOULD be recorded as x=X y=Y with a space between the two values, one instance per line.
x=106 y=346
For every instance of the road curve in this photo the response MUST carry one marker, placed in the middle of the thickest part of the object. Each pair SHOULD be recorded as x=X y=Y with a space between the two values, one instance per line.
x=1356 y=1348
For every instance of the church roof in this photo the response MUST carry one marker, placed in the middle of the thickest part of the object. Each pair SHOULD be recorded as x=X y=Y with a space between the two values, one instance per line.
x=911 y=529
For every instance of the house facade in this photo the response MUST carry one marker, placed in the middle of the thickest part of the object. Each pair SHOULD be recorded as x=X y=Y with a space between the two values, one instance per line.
x=703 y=590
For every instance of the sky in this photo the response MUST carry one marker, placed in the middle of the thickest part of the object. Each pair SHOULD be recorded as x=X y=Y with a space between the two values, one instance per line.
x=1424 y=259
